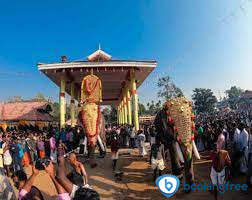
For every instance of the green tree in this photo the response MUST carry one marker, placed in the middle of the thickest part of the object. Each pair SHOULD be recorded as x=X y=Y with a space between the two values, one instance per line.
x=233 y=96
x=204 y=100
x=39 y=97
x=110 y=114
x=154 y=108
x=113 y=114
x=15 y=99
x=142 y=110
x=55 y=111
x=167 y=89
x=234 y=92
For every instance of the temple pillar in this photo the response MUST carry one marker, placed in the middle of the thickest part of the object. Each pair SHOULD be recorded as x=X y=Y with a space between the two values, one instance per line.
x=72 y=105
x=120 y=114
x=134 y=99
x=123 y=115
x=62 y=102
x=128 y=106
x=125 y=107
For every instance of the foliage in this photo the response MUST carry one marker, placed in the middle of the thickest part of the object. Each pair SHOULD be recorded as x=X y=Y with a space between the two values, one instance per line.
x=154 y=108
x=204 y=100
x=110 y=114
x=141 y=109
x=151 y=108
x=15 y=99
x=234 y=92
x=39 y=97
x=233 y=96
x=167 y=89
x=55 y=111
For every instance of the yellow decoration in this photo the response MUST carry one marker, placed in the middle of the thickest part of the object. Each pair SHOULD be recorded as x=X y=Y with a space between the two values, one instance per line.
x=180 y=111
x=91 y=89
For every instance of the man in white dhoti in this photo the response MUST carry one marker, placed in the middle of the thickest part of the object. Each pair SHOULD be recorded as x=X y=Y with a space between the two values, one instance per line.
x=157 y=157
x=220 y=162
x=141 y=143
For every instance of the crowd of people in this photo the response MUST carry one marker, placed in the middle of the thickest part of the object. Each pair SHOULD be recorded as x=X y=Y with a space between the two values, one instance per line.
x=42 y=149
x=227 y=138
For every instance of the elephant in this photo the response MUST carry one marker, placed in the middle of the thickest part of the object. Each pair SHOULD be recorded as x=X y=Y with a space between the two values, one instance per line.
x=92 y=121
x=175 y=129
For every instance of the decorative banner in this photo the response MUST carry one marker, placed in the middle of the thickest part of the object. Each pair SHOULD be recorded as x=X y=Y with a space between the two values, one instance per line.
x=91 y=89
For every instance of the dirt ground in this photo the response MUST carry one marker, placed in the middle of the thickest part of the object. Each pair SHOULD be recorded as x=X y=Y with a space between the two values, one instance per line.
x=137 y=182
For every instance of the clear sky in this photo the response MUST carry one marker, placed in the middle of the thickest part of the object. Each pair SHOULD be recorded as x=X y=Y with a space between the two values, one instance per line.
x=199 y=43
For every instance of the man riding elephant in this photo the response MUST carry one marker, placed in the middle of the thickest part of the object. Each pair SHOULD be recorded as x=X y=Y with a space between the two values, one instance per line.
x=175 y=128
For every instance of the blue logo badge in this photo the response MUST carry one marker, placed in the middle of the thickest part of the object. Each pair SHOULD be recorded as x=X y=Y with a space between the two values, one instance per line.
x=168 y=184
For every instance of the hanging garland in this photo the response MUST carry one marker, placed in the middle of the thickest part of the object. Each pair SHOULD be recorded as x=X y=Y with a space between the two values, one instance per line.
x=85 y=123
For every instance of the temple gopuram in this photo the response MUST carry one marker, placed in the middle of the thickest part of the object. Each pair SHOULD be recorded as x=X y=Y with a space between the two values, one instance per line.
x=120 y=80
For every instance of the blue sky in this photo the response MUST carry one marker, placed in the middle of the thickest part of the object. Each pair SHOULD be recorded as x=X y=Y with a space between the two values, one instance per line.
x=198 y=43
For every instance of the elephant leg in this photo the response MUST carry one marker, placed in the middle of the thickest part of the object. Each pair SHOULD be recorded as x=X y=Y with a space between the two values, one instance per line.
x=101 y=147
x=176 y=168
x=187 y=153
x=91 y=155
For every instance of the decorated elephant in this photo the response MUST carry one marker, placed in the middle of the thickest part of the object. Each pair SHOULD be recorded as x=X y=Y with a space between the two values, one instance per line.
x=175 y=129
x=90 y=116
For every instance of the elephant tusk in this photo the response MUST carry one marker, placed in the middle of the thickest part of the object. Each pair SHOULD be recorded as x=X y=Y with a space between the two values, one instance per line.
x=195 y=150
x=179 y=153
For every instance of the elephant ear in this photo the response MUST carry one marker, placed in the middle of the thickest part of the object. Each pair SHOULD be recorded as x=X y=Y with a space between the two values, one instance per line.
x=180 y=115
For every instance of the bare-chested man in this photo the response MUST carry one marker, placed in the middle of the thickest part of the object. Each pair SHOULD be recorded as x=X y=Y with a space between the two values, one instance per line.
x=78 y=172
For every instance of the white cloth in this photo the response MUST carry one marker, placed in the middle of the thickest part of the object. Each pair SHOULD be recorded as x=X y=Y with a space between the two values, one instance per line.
x=157 y=164
x=221 y=142
x=53 y=156
x=218 y=177
x=114 y=155
x=7 y=156
x=236 y=135
x=152 y=141
x=1 y=157
x=243 y=141
x=75 y=188
x=141 y=145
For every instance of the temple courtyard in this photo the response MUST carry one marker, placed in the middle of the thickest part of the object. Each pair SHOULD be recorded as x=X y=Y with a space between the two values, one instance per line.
x=137 y=181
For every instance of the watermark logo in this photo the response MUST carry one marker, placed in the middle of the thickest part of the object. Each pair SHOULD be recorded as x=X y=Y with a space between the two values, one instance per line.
x=167 y=184
x=222 y=188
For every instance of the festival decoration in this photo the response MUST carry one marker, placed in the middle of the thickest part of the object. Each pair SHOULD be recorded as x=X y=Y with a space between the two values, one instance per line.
x=91 y=89
x=181 y=117
x=91 y=95
x=90 y=119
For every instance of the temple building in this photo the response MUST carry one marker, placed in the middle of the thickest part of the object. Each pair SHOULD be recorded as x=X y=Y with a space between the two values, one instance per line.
x=24 y=113
x=120 y=80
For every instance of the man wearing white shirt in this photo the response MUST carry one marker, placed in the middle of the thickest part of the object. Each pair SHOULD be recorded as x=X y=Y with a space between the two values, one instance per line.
x=236 y=154
x=236 y=137
x=243 y=141
x=243 y=144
